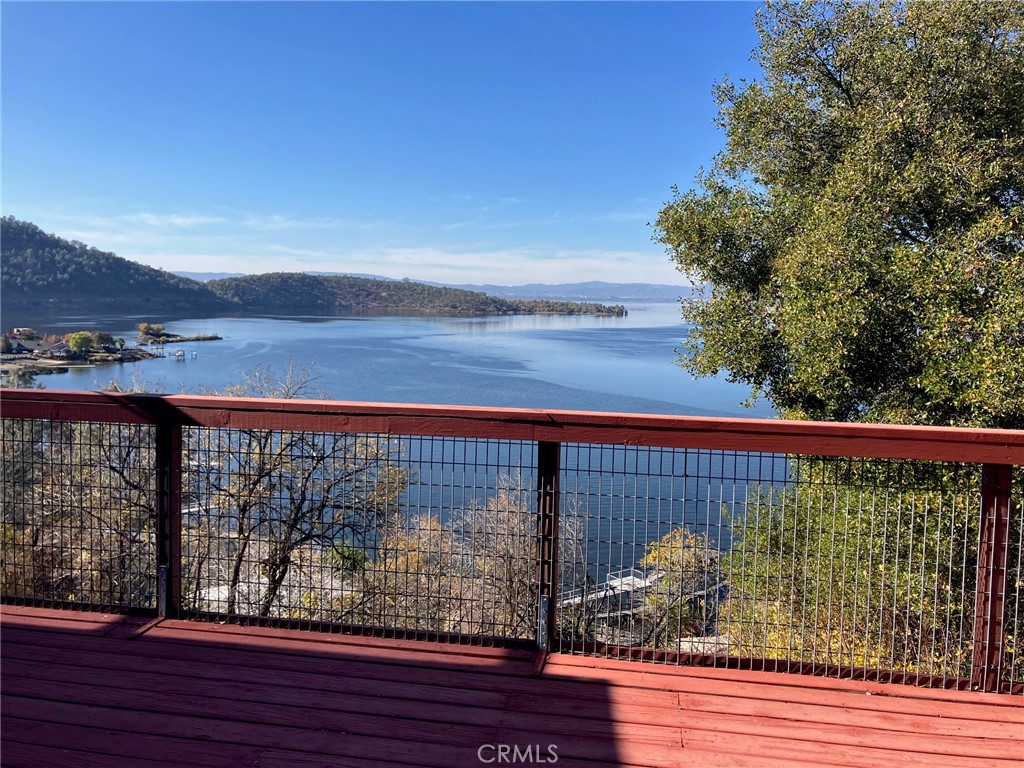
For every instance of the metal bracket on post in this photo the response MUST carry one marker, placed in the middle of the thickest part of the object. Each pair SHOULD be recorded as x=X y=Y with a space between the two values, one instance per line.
x=543 y=622
x=161 y=590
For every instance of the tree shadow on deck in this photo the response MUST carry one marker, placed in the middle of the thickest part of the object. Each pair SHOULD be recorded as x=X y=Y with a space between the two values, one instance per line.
x=193 y=693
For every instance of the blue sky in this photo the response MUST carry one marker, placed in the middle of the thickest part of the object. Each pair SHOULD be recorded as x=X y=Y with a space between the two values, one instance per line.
x=458 y=142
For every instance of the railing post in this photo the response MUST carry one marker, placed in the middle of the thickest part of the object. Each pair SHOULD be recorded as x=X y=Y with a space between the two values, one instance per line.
x=990 y=593
x=548 y=472
x=168 y=532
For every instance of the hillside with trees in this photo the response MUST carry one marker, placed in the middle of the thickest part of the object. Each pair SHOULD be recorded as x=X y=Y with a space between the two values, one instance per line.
x=282 y=291
x=44 y=271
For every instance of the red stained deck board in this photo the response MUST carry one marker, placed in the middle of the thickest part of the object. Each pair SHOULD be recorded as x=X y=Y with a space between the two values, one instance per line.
x=245 y=711
x=787 y=680
x=279 y=693
x=91 y=626
x=397 y=748
x=283 y=759
x=206 y=673
x=339 y=666
x=721 y=711
x=28 y=612
x=314 y=647
x=885 y=720
x=866 y=695
x=126 y=745
x=41 y=756
x=778 y=748
x=292 y=636
x=305 y=700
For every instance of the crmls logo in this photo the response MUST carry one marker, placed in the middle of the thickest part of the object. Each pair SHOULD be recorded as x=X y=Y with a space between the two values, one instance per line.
x=513 y=753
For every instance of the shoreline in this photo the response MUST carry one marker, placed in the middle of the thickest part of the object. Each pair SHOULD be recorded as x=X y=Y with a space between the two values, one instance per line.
x=41 y=367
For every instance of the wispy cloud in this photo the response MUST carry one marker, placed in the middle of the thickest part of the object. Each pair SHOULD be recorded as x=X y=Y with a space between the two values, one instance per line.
x=279 y=221
x=172 y=219
x=463 y=250
x=509 y=266
x=303 y=252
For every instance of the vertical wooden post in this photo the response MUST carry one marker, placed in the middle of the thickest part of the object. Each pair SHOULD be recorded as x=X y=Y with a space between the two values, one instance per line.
x=990 y=593
x=548 y=472
x=168 y=534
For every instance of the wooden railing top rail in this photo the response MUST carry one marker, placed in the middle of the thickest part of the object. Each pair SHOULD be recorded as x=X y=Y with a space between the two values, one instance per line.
x=739 y=434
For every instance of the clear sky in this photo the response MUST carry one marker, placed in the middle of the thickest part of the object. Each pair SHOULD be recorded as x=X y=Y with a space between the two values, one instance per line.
x=457 y=142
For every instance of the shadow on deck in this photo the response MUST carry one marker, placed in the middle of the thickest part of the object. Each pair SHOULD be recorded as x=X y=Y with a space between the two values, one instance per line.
x=88 y=689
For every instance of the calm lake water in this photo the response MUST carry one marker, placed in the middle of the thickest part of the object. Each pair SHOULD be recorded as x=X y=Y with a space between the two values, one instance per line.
x=577 y=363
x=629 y=496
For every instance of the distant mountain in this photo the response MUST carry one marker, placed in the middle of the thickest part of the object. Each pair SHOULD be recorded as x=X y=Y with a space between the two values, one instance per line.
x=593 y=290
x=204 y=277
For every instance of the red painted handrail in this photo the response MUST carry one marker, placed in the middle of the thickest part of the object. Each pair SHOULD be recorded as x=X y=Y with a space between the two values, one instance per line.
x=877 y=441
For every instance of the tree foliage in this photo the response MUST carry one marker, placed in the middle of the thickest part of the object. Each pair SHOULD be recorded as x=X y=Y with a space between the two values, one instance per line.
x=80 y=342
x=683 y=599
x=863 y=564
x=860 y=236
x=283 y=291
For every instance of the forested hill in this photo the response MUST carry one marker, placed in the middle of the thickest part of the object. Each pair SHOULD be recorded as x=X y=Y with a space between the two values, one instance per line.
x=282 y=291
x=41 y=270
x=45 y=272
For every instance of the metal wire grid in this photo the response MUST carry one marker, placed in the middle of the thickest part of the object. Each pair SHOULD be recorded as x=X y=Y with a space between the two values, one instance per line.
x=391 y=534
x=855 y=566
x=79 y=514
x=1011 y=668
x=649 y=571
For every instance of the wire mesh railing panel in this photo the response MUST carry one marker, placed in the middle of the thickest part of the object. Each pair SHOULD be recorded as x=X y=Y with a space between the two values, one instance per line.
x=79 y=514
x=851 y=566
x=861 y=567
x=645 y=537
x=412 y=534
x=1012 y=662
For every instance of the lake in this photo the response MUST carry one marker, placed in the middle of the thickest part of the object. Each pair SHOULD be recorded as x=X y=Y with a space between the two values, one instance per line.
x=585 y=363
x=630 y=496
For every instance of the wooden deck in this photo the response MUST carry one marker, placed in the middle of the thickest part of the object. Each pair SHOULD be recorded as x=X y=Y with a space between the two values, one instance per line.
x=86 y=690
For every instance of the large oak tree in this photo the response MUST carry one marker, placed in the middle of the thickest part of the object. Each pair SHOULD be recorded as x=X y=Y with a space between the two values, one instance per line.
x=860 y=236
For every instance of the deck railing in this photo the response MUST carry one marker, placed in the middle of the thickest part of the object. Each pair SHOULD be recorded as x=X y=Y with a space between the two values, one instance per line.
x=891 y=553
